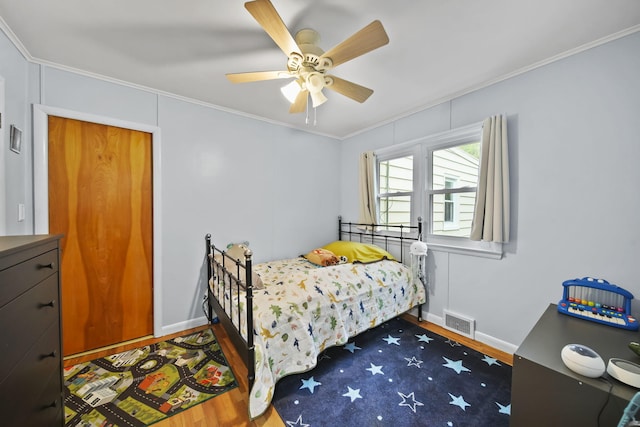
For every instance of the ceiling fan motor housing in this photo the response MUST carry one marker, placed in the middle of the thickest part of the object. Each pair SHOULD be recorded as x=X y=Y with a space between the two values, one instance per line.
x=307 y=40
x=309 y=68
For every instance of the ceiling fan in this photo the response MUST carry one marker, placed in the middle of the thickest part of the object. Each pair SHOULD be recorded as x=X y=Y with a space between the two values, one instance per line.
x=307 y=64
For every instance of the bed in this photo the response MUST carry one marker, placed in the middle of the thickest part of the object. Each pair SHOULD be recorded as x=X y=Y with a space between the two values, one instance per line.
x=298 y=307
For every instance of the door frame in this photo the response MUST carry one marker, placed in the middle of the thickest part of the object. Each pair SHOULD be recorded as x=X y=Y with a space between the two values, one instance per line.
x=41 y=115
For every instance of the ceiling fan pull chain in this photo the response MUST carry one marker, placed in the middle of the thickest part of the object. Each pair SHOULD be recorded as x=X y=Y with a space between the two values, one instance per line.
x=315 y=116
x=306 y=120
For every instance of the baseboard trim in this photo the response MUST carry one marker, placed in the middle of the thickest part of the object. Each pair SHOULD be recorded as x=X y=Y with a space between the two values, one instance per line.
x=101 y=349
x=183 y=326
x=479 y=336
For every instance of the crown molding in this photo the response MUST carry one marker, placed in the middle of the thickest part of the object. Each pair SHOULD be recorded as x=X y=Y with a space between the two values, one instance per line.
x=15 y=40
x=487 y=83
x=27 y=55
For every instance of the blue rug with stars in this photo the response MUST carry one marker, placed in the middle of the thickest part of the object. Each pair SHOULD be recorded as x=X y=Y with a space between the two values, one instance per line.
x=398 y=374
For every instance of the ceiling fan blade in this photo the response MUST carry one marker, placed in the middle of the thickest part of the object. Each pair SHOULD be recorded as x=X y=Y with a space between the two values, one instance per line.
x=300 y=104
x=349 y=89
x=367 y=39
x=256 y=76
x=268 y=17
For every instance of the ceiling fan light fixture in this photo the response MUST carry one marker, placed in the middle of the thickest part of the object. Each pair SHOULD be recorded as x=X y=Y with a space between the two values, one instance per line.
x=318 y=98
x=291 y=90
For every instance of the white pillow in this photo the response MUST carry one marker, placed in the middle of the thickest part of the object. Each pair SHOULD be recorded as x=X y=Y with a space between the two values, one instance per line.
x=236 y=251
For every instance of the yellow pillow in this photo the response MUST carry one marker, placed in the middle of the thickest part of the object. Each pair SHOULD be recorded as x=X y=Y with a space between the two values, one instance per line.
x=358 y=252
x=322 y=257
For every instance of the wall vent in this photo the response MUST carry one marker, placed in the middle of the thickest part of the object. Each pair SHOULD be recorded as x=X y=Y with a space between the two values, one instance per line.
x=460 y=324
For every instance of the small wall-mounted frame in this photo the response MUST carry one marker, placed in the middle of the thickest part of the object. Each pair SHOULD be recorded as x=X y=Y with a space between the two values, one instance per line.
x=15 y=139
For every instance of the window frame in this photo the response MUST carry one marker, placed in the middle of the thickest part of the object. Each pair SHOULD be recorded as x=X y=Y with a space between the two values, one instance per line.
x=422 y=149
x=455 y=139
x=396 y=154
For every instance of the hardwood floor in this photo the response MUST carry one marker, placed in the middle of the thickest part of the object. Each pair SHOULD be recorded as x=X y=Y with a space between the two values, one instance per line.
x=230 y=409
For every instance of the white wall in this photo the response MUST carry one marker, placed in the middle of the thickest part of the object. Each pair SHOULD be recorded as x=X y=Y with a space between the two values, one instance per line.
x=233 y=177
x=15 y=71
x=573 y=128
x=238 y=179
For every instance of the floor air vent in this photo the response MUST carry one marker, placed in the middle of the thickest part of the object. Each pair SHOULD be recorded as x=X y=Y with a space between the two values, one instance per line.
x=460 y=324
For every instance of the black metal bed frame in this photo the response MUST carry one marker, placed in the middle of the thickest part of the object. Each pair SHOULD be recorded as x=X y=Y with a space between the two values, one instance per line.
x=244 y=347
x=365 y=233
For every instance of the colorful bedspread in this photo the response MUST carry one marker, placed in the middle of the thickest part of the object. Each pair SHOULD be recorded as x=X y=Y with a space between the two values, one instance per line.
x=304 y=309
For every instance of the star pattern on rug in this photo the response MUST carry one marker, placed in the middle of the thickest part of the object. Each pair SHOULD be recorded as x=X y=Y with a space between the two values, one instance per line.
x=455 y=365
x=392 y=340
x=352 y=347
x=375 y=369
x=442 y=360
x=297 y=423
x=458 y=401
x=311 y=384
x=414 y=362
x=424 y=338
x=324 y=356
x=353 y=394
x=412 y=405
x=490 y=360
x=504 y=409
x=453 y=343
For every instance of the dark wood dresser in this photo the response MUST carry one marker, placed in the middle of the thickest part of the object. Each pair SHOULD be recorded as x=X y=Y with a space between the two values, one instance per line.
x=31 y=384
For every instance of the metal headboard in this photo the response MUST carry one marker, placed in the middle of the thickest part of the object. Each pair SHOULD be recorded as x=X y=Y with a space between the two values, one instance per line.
x=367 y=233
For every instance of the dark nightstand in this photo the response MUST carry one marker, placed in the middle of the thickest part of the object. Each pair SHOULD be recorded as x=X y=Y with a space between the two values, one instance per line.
x=545 y=392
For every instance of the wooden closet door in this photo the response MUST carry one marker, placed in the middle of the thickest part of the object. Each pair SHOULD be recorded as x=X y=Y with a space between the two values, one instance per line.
x=100 y=198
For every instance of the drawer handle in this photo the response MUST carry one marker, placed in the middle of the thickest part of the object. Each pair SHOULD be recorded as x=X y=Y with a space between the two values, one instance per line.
x=51 y=265
x=53 y=404
x=52 y=354
x=51 y=304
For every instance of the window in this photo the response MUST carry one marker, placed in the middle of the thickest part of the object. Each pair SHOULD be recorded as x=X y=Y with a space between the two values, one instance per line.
x=434 y=178
x=395 y=178
x=452 y=187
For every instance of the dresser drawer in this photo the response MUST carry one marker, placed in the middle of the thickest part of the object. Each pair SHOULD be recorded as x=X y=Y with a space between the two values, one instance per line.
x=20 y=277
x=29 y=378
x=25 y=319
x=43 y=410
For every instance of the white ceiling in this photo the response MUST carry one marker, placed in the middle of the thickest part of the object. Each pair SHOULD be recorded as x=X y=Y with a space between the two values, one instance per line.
x=438 y=49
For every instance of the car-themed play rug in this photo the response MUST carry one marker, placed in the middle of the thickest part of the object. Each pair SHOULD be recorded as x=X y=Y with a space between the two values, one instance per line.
x=147 y=384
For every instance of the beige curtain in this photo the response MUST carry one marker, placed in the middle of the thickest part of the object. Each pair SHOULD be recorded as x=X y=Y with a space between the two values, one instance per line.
x=491 y=218
x=368 y=206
